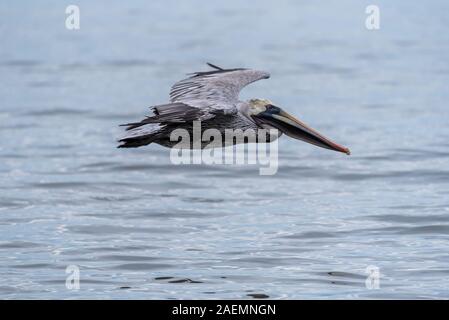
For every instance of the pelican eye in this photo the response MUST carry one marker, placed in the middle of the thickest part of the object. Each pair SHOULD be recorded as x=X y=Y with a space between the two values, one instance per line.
x=272 y=109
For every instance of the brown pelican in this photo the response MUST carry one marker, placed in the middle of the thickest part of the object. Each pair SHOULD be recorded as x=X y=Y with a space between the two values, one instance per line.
x=212 y=97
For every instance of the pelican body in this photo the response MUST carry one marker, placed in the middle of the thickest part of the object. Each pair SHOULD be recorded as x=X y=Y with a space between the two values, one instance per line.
x=212 y=98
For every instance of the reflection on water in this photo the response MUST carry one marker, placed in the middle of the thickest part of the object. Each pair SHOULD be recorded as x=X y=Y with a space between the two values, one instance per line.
x=139 y=227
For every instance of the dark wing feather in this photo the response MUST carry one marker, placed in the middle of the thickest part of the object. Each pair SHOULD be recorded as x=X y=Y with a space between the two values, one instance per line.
x=172 y=113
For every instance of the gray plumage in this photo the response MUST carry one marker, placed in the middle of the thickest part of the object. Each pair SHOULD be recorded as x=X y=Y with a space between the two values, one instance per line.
x=211 y=97
x=221 y=87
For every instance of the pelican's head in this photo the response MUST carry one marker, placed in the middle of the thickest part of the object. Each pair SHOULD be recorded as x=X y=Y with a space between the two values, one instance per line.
x=265 y=114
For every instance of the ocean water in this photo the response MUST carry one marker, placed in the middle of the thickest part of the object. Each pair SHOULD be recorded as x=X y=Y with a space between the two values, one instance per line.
x=139 y=227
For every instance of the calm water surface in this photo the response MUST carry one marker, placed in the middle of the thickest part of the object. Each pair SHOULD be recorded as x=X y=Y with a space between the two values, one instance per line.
x=139 y=227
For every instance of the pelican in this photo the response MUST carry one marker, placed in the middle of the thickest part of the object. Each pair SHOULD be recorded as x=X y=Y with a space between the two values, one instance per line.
x=212 y=97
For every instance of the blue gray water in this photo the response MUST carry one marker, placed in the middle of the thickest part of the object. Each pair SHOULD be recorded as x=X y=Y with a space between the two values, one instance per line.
x=139 y=227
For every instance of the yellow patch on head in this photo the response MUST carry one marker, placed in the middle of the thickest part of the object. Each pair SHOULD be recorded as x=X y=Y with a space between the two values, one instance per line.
x=258 y=105
x=259 y=102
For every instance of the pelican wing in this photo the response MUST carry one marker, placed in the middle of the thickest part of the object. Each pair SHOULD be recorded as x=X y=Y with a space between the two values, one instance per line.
x=179 y=112
x=219 y=85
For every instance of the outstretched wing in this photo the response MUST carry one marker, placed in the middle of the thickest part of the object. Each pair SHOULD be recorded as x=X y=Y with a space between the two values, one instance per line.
x=219 y=85
x=202 y=96
x=179 y=112
x=172 y=114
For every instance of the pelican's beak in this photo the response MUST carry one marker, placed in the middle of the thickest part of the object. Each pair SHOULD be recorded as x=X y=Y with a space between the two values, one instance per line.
x=296 y=129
